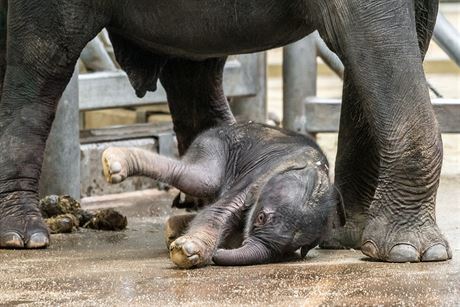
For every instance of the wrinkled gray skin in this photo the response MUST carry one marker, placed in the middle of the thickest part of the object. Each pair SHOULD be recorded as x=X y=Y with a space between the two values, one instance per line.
x=265 y=185
x=390 y=150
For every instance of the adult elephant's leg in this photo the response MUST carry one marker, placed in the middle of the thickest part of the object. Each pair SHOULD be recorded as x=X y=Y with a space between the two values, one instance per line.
x=357 y=160
x=356 y=170
x=385 y=65
x=426 y=12
x=42 y=52
x=196 y=97
x=3 y=15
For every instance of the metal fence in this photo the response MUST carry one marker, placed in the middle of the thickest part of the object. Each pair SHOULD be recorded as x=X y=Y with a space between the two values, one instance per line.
x=305 y=112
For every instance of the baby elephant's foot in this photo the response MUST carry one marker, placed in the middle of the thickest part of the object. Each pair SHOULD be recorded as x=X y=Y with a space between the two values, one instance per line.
x=395 y=243
x=175 y=226
x=190 y=252
x=115 y=164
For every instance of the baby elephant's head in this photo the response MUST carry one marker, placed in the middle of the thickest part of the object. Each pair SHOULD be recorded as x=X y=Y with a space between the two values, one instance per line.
x=292 y=211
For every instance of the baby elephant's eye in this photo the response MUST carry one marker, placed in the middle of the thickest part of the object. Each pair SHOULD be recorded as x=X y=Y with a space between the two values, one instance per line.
x=261 y=218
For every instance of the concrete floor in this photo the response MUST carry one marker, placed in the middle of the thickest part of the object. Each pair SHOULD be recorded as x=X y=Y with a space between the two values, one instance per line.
x=132 y=268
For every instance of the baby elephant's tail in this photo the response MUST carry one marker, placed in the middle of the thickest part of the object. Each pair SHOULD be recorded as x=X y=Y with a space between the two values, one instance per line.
x=3 y=15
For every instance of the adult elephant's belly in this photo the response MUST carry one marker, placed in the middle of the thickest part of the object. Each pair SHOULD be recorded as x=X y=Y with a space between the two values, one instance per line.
x=210 y=28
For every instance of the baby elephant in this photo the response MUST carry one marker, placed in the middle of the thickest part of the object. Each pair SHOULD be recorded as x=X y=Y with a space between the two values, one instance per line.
x=267 y=193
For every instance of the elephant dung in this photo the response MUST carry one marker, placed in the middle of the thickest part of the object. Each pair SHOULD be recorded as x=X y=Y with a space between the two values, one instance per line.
x=55 y=205
x=63 y=214
x=64 y=223
x=107 y=219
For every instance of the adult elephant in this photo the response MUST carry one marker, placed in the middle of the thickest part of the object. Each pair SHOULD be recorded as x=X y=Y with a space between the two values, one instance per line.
x=390 y=150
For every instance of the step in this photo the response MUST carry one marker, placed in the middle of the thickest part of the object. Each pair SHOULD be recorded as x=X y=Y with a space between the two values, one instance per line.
x=323 y=115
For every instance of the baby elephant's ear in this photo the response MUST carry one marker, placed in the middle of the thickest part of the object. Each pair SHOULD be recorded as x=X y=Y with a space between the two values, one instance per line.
x=340 y=207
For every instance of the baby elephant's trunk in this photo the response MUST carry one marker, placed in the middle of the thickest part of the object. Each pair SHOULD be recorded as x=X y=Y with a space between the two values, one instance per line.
x=252 y=252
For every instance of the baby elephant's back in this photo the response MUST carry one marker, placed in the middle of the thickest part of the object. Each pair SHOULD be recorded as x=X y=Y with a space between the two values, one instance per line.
x=262 y=148
x=258 y=138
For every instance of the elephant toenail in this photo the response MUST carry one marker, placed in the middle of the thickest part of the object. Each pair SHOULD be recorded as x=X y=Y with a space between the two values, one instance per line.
x=116 y=179
x=369 y=249
x=403 y=253
x=115 y=167
x=190 y=248
x=180 y=241
x=11 y=240
x=437 y=252
x=38 y=240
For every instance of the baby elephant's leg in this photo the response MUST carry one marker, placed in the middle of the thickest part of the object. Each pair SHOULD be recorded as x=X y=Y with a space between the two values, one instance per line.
x=197 y=246
x=175 y=226
x=200 y=178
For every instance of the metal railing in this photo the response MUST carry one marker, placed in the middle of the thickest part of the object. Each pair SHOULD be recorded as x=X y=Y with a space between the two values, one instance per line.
x=448 y=38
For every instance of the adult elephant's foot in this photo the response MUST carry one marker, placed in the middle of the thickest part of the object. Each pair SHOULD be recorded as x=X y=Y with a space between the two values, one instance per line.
x=115 y=164
x=404 y=241
x=347 y=236
x=190 y=252
x=21 y=224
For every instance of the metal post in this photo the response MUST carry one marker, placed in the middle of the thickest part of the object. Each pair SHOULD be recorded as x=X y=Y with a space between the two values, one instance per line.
x=447 y=37
x=96 y=58
x=329 y=57
x=61 y=165
x=299 y=81
x=254 y=107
